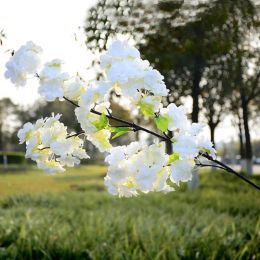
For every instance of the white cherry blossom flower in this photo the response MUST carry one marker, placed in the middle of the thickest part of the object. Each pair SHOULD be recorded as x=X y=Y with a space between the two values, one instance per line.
x=24 y=133
x=25 y=62
x=177 y=117
x=116 y=154
x=205 y=145
x=74 y=88
x=137 y=168
x=48 y=143
x=100 y=139
x=150 y=104
x=52 y=80
x=160 y=183
x=117 y=51
x=185 y=146
x=95 y=94
x=68 y=160
x=50 y=166
x=153 y=81
x=146 y=177
x=181 y=171
x=196 y=128
x=128 y=73
x=88 y=119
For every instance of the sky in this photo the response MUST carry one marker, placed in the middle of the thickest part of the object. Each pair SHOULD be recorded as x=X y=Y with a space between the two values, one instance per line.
x=52 y=24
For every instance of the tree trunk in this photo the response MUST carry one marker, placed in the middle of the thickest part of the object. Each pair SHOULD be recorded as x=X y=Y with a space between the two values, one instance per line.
x=194 y=183
x=241 y=138
x=195 y=95
x=212 y=128
x=169 y=144
x=248 y=145
x=1 y=139
x=241 y=143
x=212 y=134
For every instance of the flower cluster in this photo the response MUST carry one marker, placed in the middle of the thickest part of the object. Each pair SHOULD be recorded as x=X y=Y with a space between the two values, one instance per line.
x=55 y=83
x=134 y=168
x=133 y=77
x=137 y=168
x=47 y=144
x=25 y=62
x=188 y=139
x=129 y=73
x=95 y=126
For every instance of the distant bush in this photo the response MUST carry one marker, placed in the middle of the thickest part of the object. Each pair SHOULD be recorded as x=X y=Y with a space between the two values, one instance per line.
x=12 y=157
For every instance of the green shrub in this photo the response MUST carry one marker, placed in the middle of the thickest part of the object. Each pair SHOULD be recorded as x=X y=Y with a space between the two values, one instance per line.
x=12 y=157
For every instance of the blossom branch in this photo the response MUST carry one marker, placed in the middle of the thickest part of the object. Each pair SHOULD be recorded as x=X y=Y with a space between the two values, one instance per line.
x=126 y=123
x=65 y=152
x=166 y=138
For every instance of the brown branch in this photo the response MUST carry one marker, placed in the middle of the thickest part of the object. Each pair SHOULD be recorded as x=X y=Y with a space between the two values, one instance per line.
x=230 y=170
x=76 y=134
x=255 y=91
x=69 y=136
x=126 y=123
x=210 y=165
x=44 y=148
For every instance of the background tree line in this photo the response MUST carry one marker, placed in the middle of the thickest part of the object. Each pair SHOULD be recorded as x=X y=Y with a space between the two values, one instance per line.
x=208 y=51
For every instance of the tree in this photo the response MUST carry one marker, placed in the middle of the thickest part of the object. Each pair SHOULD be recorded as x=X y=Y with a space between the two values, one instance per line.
x=46 y=109
x=8 y=122
x=181 y=40
x=215 y=94
x=181 y=55
x=246 y=86
x=178 y=38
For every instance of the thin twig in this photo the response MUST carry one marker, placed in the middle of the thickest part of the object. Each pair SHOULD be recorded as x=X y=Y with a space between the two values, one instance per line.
x=230 y=170
x=166 y=135
x=69 y=136
x=108 y=112
x=120 y=126
x=76 y=134
x=210 y=165
x=73 y=103
x=44 y=148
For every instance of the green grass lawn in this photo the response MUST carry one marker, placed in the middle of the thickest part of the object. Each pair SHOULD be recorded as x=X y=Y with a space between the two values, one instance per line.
x=71 y=216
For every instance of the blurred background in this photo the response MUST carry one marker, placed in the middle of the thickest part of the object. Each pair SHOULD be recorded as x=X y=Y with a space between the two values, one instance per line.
x=209 y=53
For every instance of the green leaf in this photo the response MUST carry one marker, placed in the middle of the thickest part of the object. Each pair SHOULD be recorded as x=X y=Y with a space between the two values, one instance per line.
x=57 y=65
x=174 y=140
x=147 y=109
x=117 y=129
x=121 y=132
x=162 y=123
x=101 y=123
x=174 y=157
x=205 y=150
